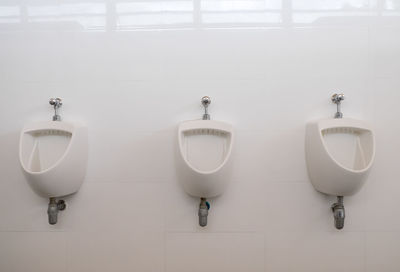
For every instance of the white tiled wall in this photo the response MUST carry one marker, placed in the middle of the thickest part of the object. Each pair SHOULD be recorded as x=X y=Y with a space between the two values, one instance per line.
x=132 y=70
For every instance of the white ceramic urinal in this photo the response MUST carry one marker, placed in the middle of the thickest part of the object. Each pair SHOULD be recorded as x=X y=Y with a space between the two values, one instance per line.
x=205 y=147
x=339 y=153
x=53 y=156
x=204 y=162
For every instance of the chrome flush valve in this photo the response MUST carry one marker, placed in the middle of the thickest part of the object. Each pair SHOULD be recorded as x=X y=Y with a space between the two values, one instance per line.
x=206 y=101
x=337 y=99
x=56 y=103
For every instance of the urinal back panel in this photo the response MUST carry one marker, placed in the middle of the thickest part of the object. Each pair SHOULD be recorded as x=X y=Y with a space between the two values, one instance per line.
x=205 y=149
x=348 y=146
x=46 y=148
x=366 y=141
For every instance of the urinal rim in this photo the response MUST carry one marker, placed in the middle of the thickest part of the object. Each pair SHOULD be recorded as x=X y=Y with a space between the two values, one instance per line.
x=361 y=127
x=227 y=157
x=73 y=128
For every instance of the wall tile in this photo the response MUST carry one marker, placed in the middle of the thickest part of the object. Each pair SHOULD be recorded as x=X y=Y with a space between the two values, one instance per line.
x=381 y=205
x=385 y=54
x=33 y=251
x=264 y=53
x=131 y=157
x=315 y=251
x=239 y=209
x=382 y=251
x=115 y=207
x=116 y=251
x=214 y=252
x=297 y=206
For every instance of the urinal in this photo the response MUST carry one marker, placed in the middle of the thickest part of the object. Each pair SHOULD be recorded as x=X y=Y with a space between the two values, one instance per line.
x=340 y=153
x=204 y=158
x=53 y=156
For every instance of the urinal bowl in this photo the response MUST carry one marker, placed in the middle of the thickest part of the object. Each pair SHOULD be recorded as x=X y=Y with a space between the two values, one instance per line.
x=53 y=157
x=339 y=154
x=204 y=157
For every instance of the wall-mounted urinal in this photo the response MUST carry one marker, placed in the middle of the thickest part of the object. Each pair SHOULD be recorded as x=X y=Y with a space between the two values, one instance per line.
x=204 y=158
x=339 y=153
x=53 y=156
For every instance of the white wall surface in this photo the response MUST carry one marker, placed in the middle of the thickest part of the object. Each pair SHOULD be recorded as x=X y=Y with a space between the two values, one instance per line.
x=132 y=70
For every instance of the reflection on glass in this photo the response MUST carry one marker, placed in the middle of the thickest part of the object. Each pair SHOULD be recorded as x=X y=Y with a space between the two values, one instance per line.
x=9 y=14
x=330 y=5
x=43 y=11
x=310 y=11
x=240 y=5
x=241 y=18
x=140 y=14
x=90 y=16
x=392 y=8
x=241 y=12
x=154 y=6
x=309 y=18
x=130 y=21
x=115 y=15
x=9 y=11
x=392 y=5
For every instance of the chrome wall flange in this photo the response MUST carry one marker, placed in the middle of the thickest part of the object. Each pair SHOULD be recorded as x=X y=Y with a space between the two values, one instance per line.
x=337 y=99
x=56 y=103
x=206 y=101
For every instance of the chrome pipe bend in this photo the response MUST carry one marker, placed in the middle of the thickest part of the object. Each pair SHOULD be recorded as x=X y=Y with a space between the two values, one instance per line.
x=339 y=213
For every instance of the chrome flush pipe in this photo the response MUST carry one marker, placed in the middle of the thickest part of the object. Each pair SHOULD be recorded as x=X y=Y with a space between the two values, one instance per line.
x=206 y=101
x=56 y=103
x=204 y=205
x=53 y=209
x=338 y=207
x=337 y=99
x=339 y=213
